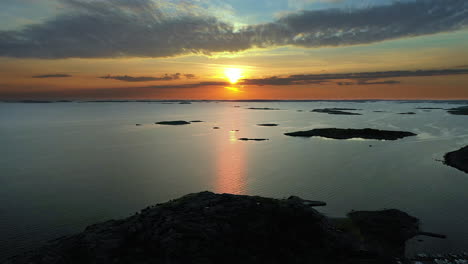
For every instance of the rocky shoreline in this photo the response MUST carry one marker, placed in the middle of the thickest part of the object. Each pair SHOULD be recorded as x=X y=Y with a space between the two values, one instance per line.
x=458 y=159
x=224 y=228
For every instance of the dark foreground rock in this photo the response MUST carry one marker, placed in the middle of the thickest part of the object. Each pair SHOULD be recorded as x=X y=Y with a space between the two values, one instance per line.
x=463 y=110
x=458 y=159
x=224 y=228
x=407 y=113
x=336 y=111
x=340 y=133
x=173 y=123
x=267 y=125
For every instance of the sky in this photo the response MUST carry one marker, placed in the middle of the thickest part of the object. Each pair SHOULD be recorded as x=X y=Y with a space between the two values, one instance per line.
x=233 y=49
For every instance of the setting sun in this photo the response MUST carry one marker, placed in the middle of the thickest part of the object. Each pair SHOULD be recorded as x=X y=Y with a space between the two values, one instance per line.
x=233 y=74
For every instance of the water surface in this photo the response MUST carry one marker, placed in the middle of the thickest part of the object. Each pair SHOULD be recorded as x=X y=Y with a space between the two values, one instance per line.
x=67 y=165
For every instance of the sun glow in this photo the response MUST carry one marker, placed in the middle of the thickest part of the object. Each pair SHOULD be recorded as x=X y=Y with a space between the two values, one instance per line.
x=233 y=74
x=233 y=89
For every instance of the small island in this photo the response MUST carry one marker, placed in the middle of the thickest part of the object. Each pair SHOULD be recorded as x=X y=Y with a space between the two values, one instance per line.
x=458 y=159
x=253 y=139
x=340 y=133
x=263 y=108
x=336 y=111
x=268 y=125
x=224 y=228
x=462 y=110
x=173 y=123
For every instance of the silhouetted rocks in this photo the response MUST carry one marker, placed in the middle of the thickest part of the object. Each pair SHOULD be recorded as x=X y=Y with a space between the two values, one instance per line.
x=340 y=133
x=458 y=159
x=267 y=125
x=385 y=232
x=253 y=139
x=262 y=108
x=462 y=110
x=224 y=228
x=407 y=113
x=216 y=127
x=336 y=111
x=196 y=121
x=138 y=124
x=173 y=123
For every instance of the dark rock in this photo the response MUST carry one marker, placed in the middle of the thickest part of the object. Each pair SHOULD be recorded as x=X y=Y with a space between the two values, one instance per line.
x=339 y=133
x=458 y=159
x=216 y=127
x=267 y=125
x=138 y=124
x=253 y=139
x=173 y=123
x=385 y=232
x=196 y=121
x=407 y=113
x=225 y=228
x=336 y=111
x=185 y=102
x=462 y=110
x=262 y=108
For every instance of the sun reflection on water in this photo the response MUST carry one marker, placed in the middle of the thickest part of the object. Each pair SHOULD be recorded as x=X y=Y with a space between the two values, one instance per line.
x=231 y=158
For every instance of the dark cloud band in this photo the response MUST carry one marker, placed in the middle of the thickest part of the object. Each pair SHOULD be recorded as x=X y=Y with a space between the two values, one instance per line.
x=140 y=29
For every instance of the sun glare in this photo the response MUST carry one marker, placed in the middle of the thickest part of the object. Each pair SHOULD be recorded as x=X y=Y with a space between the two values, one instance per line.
x=233 y=74
x=233 y=89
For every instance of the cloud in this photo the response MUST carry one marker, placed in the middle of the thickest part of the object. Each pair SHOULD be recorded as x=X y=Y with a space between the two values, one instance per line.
x=361 y=78
x=121 y=28
x=166 y=77
x=52 y=76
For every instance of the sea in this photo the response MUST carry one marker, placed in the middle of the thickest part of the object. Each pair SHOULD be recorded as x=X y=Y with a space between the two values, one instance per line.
x=66 y=165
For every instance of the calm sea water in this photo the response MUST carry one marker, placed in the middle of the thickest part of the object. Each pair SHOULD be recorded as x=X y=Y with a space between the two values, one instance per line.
x=64 y=166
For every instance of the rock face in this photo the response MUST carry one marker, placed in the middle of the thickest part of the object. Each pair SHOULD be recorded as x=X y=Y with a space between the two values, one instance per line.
x=173 y=123
x=458 y=159
x=385 y=232
x=463 y=110
x=224 y=228
x=336 y=111
x=339 y=133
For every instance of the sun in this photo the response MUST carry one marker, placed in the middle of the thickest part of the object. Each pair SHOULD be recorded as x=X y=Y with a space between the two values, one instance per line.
x=233 y=74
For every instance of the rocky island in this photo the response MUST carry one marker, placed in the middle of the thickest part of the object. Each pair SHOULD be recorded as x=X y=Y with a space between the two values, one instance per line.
x=173 y=123
x=224 y=228
x=267 y=125
x=462 y=110
x=458 y=159
x=263 y=108
x=336 y=111
x=253 y=139
x=340 y=133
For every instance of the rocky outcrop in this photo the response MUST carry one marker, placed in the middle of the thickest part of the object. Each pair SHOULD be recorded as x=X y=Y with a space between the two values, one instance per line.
x=253 y=139
x=339 y=133
x=173 y=123
x=458 y=159
x=267 y=125
x=225 y=228
x=462 y=110
x=336 y=111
